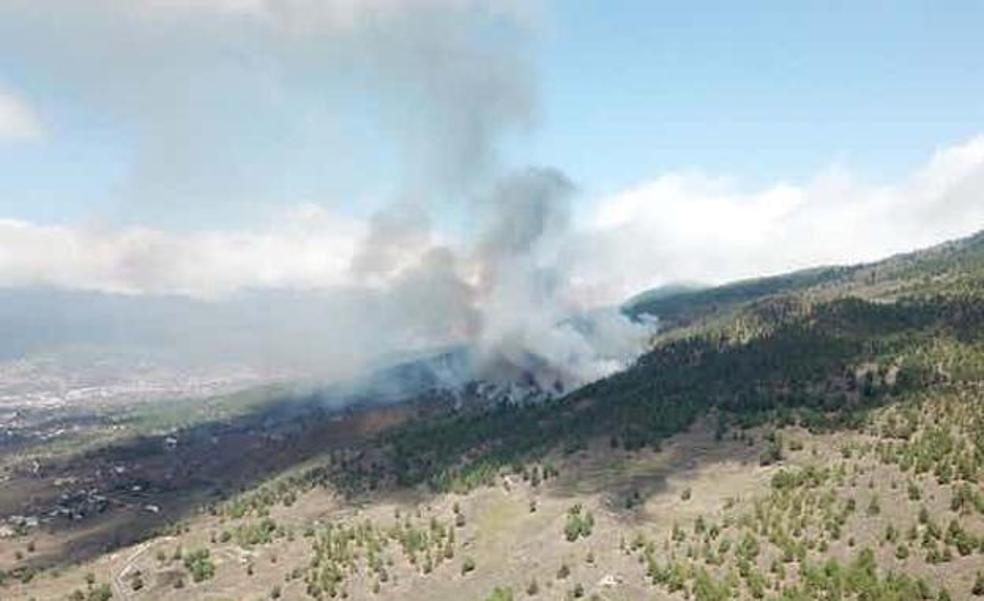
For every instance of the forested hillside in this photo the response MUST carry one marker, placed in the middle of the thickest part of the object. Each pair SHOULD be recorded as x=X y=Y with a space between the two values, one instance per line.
x=813 y=436
x=818 y=347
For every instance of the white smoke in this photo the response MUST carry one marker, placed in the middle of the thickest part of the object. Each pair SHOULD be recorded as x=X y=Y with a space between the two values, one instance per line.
x=217 y=100
x=529 y=317
x=220 y=96
x=503 y=291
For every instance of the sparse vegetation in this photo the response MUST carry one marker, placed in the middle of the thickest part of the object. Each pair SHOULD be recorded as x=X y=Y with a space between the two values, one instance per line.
x=861 y=412
x=199 y=564
x=579 y=523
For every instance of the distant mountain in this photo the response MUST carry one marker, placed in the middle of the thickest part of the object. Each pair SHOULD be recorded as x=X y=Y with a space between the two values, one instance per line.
x=941 y=268
x=458 y=373
x=414 y=375
x=663 y=292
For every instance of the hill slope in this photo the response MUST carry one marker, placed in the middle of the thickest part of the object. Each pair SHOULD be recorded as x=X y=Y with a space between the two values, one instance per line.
x=815 y=435
x=948 y=267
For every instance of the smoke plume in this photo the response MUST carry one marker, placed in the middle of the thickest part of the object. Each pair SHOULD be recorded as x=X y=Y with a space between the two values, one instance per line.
x=504 y=293
x=412 y=101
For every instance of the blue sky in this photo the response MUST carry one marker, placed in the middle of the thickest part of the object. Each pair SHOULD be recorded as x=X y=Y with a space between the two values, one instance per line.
x=201 y=147
x=627 y=91
x=756 y=90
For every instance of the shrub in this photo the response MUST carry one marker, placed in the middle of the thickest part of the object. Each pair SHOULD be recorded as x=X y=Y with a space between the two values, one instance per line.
x=199 y=564
x=500 y=594
x=579 y=523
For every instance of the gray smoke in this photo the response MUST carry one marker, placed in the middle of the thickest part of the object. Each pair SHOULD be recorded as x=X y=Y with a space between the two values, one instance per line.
x=220 y=98
x=224 y=98
x=530 y=319
x=505 y=293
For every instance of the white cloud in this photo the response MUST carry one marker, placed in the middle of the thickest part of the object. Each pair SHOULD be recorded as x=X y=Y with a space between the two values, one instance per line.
x=697 y=227
x=307 y=249
x=18 y=120
x=678 y=227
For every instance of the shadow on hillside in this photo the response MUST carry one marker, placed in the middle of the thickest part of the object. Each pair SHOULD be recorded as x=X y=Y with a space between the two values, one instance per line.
x=625 y=481
x=124 y=492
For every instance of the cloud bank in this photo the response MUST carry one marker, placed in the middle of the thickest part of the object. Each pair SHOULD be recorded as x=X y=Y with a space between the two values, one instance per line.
x=678 y=227
x=698 y=227
x=307 y=248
